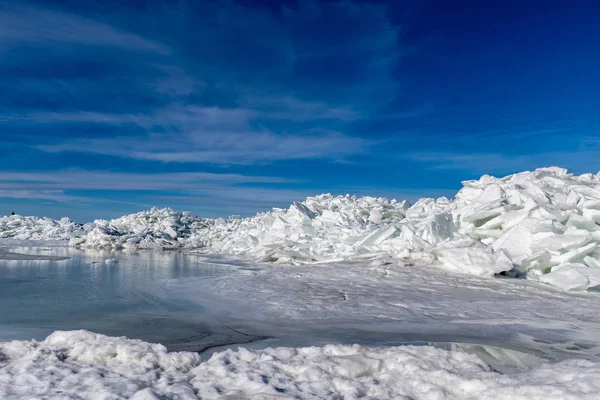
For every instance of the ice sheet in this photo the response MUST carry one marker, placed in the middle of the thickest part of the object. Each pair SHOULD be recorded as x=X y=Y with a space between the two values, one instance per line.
x=352 y=301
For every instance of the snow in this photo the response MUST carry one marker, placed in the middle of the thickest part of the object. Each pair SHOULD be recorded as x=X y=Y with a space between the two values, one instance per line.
x=81 y=364
x=532 y=223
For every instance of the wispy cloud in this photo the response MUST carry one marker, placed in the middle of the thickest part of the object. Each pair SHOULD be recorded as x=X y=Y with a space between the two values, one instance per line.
x=111 y=181
x=53 y=195
x=237 y=148
x=26 y=24
x=199 y=135
x=197 y=191
x=587 y=160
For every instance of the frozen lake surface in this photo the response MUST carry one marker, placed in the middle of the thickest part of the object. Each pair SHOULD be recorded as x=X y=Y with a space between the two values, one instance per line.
x=501 y=338
x=48 y=288
x=196 y=302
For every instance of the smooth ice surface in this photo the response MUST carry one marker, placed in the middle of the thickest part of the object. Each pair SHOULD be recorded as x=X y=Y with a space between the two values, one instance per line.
x=80 y=364
x=43 y=289
x=533 y=223
x=356 y=302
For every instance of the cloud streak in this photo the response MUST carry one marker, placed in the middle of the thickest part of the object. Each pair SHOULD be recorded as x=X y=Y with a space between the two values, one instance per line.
x=240 y=148
x=112 y=181
x=34 y=25
x=52 y=195
x=586 y=160
x=198 y=135
x=202 y=192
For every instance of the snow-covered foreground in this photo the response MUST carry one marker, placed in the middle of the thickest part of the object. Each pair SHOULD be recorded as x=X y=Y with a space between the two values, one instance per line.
x=80 y=364
x=543 y=223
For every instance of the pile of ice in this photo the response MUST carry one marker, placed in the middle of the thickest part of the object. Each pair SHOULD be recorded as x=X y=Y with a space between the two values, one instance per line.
x=546 y=220
x=543 y=223
x=33 y=228
x=157 y=228
x=82 y=365
x=322 y=228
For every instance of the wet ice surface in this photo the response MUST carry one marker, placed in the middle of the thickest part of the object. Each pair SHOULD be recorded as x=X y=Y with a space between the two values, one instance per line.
x=48 y=287
x=373 y=305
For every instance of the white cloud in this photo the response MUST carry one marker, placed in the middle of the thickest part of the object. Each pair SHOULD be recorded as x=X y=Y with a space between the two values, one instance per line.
x=198 y=134
x=33 y=24
x=586 y=160
x=110 y=181
x=196 y=190
x=237 y=148
x=294 y=109
x=53 y=195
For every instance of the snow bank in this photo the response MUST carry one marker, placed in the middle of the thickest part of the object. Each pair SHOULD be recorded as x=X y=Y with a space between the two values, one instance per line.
x=81 y=364
x=543 y=223
x=33 y=228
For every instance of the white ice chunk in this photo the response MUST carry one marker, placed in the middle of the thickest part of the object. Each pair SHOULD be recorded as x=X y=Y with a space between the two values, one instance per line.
x=575 y=254
x=516 y=241
x=479 y=261
x=559 y=242
x=567 y=278
x=378 y=236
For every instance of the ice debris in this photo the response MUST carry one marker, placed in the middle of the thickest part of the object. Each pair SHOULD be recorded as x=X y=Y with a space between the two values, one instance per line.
x=17 y=227
x=544 y=224
x=84 y=365
x=156 y=228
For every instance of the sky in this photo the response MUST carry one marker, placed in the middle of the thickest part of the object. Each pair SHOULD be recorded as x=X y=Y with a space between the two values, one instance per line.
x=227 y=107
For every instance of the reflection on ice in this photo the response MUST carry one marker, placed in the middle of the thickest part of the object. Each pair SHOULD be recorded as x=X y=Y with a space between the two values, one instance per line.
x=43 y=289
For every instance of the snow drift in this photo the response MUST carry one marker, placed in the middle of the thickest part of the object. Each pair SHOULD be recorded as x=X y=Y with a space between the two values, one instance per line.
x=543 y=223
x=81 y=364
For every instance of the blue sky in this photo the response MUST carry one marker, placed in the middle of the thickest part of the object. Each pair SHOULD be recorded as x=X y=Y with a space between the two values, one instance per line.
x=232 y=107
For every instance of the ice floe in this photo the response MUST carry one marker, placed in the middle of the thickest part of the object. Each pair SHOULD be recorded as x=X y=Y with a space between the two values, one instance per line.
x=544 y=224
x=81 y=364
